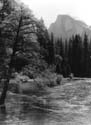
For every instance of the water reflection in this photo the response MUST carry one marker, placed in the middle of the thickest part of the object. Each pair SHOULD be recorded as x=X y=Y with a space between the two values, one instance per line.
x=35 y=116
x=23 y=114
x=3 y=115
x=3 y=110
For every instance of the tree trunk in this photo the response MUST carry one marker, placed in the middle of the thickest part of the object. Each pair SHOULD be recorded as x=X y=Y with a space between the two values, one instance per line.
x=5 y=87
x=4 y=92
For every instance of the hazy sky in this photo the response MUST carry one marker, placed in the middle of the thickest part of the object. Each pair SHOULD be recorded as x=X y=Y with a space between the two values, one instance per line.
x=49 y=9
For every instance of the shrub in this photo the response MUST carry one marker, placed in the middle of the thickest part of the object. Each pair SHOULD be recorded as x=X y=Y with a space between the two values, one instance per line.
x=51 y=78
x=71 y=75
x=35 y=68
x=59 y=79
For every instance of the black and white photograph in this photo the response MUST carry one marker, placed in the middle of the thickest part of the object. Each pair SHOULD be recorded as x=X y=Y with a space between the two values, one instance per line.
x=45 y=62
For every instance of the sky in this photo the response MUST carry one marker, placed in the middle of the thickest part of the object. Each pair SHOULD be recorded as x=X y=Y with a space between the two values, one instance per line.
x=49 y=9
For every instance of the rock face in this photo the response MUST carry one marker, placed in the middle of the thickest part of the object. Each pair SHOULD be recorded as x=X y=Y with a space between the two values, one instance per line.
x=65 y=26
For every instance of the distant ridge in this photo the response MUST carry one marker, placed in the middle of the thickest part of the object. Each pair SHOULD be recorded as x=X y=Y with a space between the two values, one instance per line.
x=65 y=26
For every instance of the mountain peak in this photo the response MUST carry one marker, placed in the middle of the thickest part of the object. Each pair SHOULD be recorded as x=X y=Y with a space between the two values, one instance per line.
x=65 y=26
x=63 y=16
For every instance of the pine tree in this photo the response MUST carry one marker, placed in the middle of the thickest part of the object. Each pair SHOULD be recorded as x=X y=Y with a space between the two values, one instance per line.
x=86 y=54
x=5 y=10
x=50 y=49
x=66 y=48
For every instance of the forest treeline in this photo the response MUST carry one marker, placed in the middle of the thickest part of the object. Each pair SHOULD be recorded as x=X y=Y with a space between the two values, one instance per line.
x=75 y=52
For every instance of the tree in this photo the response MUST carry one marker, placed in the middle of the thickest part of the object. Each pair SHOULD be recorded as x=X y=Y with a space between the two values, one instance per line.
x=44 y=40
x=19 y=34
x=58 y=60
x=76 y=55
x=85 y=54
x=59 y=47
x=66 y=48
x=50 y=49
x=70 y=44
x=5 y=10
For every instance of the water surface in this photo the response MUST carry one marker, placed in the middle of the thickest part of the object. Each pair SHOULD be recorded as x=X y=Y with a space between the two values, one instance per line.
x=68 y=104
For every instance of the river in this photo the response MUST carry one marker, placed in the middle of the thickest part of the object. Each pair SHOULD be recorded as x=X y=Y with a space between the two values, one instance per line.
x=67 y=104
